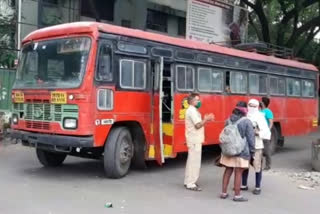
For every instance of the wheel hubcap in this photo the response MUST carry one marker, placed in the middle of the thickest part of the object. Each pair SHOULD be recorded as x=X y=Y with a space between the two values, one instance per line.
x=125 y=151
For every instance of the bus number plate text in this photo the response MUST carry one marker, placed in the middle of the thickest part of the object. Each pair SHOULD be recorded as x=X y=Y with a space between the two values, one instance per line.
x=58 y=97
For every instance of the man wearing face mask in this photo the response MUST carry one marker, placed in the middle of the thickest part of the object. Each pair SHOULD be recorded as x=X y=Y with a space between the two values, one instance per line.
x=194 y=131
x=262 y=132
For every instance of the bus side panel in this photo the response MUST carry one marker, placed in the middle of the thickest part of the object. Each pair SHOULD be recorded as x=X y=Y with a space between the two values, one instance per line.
x=220 y=105
x=300 y=114
x=128 y=106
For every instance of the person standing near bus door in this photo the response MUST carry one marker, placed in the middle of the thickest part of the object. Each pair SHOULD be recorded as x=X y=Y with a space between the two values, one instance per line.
x=269 y=118
x=194 y=131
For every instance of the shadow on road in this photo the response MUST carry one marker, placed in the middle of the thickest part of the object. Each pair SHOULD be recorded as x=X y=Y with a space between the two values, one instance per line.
x=83 y=168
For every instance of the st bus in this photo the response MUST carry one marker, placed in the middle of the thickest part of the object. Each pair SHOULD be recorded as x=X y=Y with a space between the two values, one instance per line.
x=100 y=91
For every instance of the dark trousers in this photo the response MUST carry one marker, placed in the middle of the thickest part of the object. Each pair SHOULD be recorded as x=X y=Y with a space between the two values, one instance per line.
x=245 y=175
x=267 y=152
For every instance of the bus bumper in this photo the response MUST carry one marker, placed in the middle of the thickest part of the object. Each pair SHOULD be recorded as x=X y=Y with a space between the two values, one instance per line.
x=52 y=142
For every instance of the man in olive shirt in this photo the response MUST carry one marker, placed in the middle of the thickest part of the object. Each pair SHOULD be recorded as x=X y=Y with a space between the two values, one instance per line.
x=194 y=131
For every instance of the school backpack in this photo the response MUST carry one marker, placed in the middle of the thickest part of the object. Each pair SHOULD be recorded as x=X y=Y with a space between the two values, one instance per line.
x=231 y=142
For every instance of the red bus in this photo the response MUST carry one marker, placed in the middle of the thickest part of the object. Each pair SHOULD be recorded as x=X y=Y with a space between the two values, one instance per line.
x=100 y=91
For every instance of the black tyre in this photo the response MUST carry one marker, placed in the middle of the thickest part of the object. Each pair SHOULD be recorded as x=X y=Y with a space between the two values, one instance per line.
x=274 y=140
x=118 y=153
x=50 y=159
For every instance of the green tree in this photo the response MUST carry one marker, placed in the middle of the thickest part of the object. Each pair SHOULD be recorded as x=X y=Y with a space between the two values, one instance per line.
x=289 y=23
x=7 y=32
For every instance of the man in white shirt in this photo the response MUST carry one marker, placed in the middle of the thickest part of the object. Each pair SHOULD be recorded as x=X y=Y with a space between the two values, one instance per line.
x=194 y=131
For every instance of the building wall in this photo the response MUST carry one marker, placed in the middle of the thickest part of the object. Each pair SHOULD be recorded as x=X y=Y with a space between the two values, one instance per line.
x=132 y=11
x=29 y=17
x=174 y=4
x=38 y=14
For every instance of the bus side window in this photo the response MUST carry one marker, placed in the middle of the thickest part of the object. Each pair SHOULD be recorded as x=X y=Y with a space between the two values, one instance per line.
x=238 y=82
x=104 y=72
x=227 y=85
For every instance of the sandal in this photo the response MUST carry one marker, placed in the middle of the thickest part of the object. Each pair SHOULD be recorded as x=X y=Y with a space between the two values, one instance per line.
x=195 y=188
x=224 y=195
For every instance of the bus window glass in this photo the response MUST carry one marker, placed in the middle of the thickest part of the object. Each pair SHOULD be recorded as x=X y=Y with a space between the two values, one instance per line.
x=281 y=87
x=132 y=48
x=238 y=82
x=126 y=73
x=307 y=88
x=263 y=84
x=209 y=80
x=253 y=83
x=277 y=86
x=204 y=76
x=185 y=78
x=55 y=68
x=293 y=87
x=105 y=99
x=181 y=77
x=57 y=63
x=132 y=74
x=189 y=80
x=139 y=77
x=104 y=65
x=257 y=84
x=217 y=78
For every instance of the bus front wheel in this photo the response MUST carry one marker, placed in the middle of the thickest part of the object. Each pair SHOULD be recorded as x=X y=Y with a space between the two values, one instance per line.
x=118 y=153
x=50 y=159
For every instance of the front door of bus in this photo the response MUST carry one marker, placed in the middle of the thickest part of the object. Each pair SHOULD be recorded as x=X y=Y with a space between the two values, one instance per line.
x=157 y=98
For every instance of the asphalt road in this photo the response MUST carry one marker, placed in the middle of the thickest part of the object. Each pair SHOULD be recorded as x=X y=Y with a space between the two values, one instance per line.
x=79 y=186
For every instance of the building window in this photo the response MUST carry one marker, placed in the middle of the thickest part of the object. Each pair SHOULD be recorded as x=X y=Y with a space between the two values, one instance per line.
x=277 y=86
x=293 y=87
x=181 y=26
x=185 y=77
x=238 y=82
x=209 y=80
x=132 y=74
x=157 y=21
x=307 y=88
x=257 y=84
x=126 y=23
x=98 y=9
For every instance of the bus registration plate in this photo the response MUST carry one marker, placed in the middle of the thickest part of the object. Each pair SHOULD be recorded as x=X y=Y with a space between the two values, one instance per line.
x=58 y=97
x=18 y=97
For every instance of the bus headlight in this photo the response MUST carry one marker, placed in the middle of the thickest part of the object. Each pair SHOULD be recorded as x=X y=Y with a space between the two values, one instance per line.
x=70 y=123
x=15 y=119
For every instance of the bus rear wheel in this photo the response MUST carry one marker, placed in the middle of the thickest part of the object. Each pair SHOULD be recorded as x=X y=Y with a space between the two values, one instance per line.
x=118 y=153
x=50 y=159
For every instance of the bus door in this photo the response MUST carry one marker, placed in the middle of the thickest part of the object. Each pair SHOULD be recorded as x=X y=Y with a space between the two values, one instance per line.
x=156 y=150
x=162 y=109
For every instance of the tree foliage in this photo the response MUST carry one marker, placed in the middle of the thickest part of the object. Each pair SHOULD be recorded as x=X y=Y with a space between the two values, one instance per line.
x=289 y=23
x=7 y=33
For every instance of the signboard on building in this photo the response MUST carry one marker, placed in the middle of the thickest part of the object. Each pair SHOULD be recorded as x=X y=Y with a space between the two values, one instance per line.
x=214 y=21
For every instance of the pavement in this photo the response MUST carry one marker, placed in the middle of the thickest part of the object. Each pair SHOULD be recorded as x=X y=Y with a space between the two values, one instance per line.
x=79 y=186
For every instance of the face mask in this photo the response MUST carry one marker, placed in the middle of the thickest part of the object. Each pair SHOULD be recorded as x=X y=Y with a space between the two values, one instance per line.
x=252 y=109
x=198 y=105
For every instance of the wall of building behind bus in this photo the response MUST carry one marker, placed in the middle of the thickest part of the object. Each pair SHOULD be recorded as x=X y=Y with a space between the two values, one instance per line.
x=134 y=12
x=36 y=14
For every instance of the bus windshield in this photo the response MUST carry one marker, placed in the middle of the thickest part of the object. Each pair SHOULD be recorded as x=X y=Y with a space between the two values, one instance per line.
x=59 y=63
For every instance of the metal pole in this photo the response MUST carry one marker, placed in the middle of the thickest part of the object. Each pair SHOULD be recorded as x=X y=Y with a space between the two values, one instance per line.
x=19 y=25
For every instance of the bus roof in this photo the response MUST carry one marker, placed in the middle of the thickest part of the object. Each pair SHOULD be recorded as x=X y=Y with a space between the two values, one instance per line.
x=95 y=27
